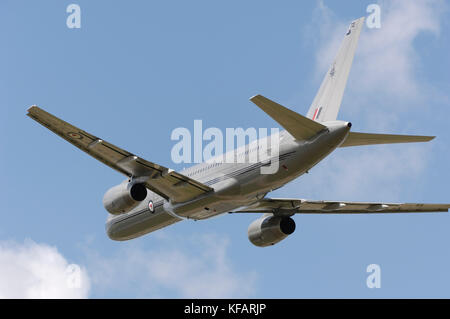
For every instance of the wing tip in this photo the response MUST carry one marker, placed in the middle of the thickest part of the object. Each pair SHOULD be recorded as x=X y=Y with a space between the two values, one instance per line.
x=32 y=108
x=425 y=138
x=254 y=97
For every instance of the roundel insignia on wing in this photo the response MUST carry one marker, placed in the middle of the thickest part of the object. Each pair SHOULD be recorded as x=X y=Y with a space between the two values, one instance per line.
x=151 y=207
x=75 y=135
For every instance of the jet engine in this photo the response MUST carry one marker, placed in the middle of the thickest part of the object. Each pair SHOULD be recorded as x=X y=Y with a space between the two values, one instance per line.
x=269 y=230
x=124 y=197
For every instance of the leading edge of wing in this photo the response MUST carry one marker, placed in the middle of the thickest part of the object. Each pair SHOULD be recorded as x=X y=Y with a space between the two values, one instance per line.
x=159 y=179
x=302 y=206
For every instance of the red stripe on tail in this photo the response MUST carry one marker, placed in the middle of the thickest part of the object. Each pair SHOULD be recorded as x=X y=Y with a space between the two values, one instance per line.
x=315 y=113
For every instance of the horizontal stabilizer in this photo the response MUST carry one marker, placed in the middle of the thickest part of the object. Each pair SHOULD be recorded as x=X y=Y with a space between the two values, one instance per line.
x=300 y=127
x=358 y=139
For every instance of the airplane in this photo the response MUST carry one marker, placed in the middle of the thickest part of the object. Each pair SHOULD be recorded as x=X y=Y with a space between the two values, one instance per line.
x=153 y=196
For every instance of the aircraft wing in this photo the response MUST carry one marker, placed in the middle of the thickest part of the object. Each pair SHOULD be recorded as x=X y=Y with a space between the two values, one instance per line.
x=159 y=179
x=302 y=206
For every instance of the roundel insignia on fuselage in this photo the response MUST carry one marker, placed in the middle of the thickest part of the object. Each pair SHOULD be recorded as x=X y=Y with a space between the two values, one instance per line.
x=151 y=207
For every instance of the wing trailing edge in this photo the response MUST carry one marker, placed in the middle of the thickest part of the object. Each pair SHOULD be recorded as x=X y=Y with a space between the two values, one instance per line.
x=159 y=179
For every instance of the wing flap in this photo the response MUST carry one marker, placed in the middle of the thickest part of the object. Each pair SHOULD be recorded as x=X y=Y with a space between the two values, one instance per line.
x=359 y=139
x=159 y=179
x=302 y=206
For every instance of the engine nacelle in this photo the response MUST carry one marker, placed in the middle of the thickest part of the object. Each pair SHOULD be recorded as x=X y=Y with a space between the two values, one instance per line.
x=124 y=197
x=269 y=230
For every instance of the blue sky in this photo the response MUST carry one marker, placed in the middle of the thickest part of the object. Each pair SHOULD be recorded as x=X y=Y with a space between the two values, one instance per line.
x=136 y=70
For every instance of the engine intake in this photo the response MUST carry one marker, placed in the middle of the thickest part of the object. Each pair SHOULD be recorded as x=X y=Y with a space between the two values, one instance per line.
x=124 y=197
x=269 y=230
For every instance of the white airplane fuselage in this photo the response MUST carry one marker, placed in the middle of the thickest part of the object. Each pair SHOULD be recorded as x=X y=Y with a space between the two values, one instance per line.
x=235 y=185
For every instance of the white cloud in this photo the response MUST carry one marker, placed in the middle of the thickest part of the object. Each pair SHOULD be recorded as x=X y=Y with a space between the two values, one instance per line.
x=326 y=32
x=383 y=87
x=195 y=267
x=32 y=270
x=387 y=62
x=384 y=74
x=377 y=173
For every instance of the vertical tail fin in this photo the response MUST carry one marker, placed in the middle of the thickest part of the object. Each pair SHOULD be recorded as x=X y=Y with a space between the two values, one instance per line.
x=327 y=102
